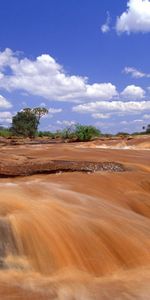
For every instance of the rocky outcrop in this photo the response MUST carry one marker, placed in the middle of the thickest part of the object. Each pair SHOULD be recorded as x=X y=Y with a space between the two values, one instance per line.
x=30 y=167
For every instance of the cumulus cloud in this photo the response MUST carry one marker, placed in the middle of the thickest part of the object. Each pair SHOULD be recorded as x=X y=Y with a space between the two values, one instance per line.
x=4 y=103
x=46 y=78
x=136 y=18
x=5 y=117
x=106 y=26
x=132 y=107
x=101 y=91
x=52 y=111
x=133 y=92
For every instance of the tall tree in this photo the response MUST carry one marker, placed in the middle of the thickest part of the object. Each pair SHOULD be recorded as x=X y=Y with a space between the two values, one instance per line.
x=26 y=122
x=40 y=112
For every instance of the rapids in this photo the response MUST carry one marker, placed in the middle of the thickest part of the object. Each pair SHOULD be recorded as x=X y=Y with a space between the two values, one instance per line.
x=75 y=236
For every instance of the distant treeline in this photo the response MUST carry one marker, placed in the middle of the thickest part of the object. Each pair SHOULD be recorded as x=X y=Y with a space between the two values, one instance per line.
x=26 y=122
x=78 y=133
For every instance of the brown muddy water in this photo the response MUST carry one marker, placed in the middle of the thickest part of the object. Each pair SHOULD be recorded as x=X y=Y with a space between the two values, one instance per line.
x=76 y=236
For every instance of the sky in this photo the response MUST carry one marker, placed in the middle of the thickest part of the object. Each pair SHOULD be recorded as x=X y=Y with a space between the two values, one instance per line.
x=86 y=61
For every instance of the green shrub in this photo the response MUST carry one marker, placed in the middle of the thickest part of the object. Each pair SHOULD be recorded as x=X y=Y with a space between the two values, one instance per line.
x=122 y=134
x=57 y=134
x=68 y=133
x=86 y=133
x=45 y=134
x=5 y=132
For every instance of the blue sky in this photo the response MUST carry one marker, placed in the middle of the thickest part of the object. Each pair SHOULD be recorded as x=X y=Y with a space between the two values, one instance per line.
x=87 y=61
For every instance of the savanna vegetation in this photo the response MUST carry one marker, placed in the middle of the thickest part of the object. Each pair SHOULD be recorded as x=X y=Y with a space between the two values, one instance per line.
x=26 y=123
x=5 y=132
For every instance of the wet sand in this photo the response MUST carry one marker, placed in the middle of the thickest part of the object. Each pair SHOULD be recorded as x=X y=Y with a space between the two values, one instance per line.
x=73 y=235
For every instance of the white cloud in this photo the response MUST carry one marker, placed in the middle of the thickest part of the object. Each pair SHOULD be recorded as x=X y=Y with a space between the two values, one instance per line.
x=146 y=117
x=105 y=127
x=101 y=90
x=46 y=78
x=136 y=18
x=4 y=103
x=106 y=27
x=42 y=104
x=133 y=92
x=52 y=110
x=135 y=73
x=5 y=117
x=65 y=123
x=124 y=122
x=7 y=58
x=113 y=107
x=101 y=116
x=138 y=121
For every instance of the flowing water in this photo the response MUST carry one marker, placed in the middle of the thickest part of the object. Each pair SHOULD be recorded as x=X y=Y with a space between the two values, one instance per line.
x=75 y=236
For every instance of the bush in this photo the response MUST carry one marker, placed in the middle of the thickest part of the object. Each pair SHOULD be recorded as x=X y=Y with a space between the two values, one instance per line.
x=45 y=134
x=5 y=132
x=86 y=133
x=78 y=133
x=107 y=135
x=68 y=133
x=122 y=134
x=57 y=134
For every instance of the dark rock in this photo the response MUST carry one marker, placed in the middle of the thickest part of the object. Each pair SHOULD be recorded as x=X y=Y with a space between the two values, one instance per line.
x=12 y=169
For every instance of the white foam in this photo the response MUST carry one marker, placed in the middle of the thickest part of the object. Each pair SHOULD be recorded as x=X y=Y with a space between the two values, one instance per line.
x=8 y=184
x=122 y=148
